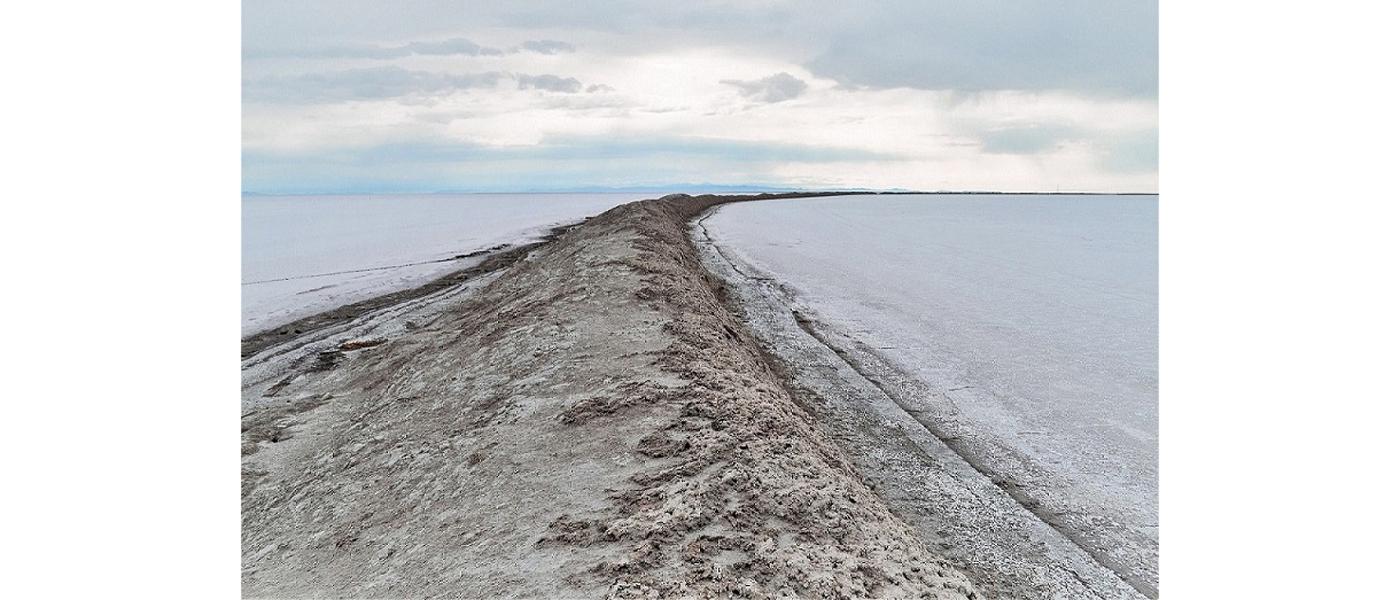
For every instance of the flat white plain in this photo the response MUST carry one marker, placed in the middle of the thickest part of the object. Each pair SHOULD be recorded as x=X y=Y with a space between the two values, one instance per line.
x=1035 y=315
x=306 y=254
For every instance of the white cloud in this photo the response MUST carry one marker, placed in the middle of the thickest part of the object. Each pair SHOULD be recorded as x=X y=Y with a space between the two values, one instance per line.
x=931 y=114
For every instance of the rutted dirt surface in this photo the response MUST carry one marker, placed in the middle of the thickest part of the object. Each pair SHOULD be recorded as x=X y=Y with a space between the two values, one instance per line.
x=589 y=422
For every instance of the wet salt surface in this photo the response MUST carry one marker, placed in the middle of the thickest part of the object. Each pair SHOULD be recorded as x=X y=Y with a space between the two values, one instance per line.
x=297 y=249
x=1035 y=316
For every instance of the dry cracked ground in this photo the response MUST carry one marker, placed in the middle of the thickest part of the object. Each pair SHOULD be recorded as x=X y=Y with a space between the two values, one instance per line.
x=587 y=422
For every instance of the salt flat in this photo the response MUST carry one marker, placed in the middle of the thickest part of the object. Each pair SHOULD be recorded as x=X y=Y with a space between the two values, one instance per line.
x=1030 y=322
x=305 y=254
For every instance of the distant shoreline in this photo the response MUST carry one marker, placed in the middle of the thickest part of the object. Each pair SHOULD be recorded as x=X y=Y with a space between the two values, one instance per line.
x=734 y=192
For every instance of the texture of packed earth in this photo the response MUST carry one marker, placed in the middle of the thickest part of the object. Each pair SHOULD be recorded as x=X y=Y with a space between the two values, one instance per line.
x=590 y=422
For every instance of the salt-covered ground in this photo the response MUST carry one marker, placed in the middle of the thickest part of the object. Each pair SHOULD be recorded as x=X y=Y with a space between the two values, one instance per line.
x=306 y=254
x=1027 y=323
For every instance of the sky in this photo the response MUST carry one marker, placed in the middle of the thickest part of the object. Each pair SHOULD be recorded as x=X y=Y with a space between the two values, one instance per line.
x=485 y=96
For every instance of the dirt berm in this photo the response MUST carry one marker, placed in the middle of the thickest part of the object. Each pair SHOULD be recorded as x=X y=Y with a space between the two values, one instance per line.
x=592 y=423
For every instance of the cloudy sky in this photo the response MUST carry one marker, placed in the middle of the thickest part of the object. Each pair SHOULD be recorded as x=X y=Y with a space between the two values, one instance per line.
x=351 y=95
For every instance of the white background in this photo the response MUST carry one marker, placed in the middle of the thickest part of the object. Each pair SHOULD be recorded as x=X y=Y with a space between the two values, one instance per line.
x=1278 y=222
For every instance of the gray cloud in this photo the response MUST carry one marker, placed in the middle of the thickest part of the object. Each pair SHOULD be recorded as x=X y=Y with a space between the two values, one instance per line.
x=1030 y=139
x=382 y=83
x=1120 y=152
x=455 y=46
x=550 y=83
x=773 y=88
x=1091 y=49
x=547 y=46
x=1132 y=153
x=1104 y=47
x=376 y=83
x=1092 y=46
x=448 y=47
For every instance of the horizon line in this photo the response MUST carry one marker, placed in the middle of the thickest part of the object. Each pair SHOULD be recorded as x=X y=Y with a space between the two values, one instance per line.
x=718 y=190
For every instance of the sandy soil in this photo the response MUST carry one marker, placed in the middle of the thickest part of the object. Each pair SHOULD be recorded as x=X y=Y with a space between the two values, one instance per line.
x=589 y=422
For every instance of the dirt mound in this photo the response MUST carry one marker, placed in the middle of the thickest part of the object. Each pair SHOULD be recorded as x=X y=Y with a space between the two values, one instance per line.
x=592 y=423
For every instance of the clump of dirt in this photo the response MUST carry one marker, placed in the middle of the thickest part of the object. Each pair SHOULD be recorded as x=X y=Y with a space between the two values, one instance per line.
x=350 y=345
x=592 y=423
x=623 y=396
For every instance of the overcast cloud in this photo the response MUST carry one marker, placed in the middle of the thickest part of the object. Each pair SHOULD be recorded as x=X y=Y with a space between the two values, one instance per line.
x=773 y=88
x=991 y=94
